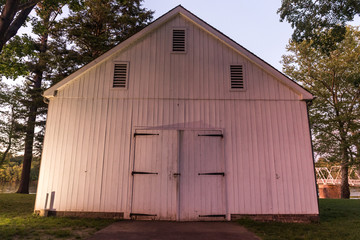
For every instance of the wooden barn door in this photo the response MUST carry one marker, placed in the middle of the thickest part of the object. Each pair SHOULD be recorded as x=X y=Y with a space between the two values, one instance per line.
x=155 y=175
x=202 y=181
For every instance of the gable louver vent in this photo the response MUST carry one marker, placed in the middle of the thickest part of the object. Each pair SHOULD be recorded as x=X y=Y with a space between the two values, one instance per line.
x=237 y=76
x=120 y=75
x=178 y=44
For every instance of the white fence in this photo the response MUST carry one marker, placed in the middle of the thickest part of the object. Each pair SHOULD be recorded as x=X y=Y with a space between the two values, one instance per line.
x=333 y=176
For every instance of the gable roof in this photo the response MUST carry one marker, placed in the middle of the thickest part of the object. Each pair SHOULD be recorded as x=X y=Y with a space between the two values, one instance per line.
x=305 y=95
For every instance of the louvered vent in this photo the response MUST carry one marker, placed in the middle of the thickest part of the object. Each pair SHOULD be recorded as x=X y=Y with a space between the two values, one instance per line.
x=237 y=76
x=120 y=75
x=178 y=40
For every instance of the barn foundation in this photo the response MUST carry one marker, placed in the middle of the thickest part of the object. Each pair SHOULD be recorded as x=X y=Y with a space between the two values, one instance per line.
x=49 y=213
x=286 y=218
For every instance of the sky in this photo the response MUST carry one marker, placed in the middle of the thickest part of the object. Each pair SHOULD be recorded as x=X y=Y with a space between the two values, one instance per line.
x=253 y=24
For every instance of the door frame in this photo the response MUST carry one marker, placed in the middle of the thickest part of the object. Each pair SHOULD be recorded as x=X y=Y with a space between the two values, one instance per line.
x=132 y=161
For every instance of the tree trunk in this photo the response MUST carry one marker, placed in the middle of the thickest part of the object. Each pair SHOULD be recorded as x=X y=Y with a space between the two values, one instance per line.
x=345 y=189
x=35 y=94
x=29 y=140
x=3 y=157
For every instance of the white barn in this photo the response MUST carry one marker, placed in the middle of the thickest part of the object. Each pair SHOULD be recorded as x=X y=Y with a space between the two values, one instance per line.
x=181 y=123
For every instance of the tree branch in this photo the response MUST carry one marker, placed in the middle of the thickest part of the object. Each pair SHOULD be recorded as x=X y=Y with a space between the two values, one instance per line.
x=7 y=16
x=28 y=4
x=18 y=22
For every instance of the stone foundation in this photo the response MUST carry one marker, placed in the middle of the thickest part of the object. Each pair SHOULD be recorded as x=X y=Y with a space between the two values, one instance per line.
x=45 y=213
x=294 y=218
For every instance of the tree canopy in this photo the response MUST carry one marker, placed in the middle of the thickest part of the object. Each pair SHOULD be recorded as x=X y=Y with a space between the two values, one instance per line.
x=322 y=21
x=334 y=79
x=95 y=27
x=13 y=15
x=11 y=120
x=60 y=46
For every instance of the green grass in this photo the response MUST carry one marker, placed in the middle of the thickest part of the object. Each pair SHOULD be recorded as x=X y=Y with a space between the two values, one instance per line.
x=17 y=221
x=339 y=219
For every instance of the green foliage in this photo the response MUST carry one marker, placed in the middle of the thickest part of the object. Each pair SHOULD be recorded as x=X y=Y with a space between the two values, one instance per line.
x=58 y=48
x=35 y=169
x=321 y=21
x=12 y=57
x=10 y=171
x=322 y=162
x=94 y=27
x=12 y=117
x=334 y=79
x=13 y=15
x=18 y=222
x=339 y=219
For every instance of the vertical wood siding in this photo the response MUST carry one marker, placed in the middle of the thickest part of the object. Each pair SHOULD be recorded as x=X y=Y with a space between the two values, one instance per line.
x=268 y=156
x=88 y=149
x=202 y=73
x=201 y=195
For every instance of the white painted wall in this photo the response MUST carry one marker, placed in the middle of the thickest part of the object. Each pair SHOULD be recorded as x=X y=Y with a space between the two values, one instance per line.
x=89 y=144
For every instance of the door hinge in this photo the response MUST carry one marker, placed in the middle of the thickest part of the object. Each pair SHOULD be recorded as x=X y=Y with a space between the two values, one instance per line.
x=134 y=172
x=142 y=214
x=211 y=135
x=215 y=215
x=145 y=134
x=213 y=173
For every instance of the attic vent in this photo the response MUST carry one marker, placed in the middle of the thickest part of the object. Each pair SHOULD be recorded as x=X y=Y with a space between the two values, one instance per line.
x=178 y=40
x=237 y=76
x=120 y=75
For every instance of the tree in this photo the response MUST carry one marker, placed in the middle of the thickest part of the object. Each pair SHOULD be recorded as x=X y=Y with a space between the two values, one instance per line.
x=13 y=15
x=334 y=78
x=29 y=56
x=47 y=13
x=11 y=120
x=48 y=58
x=321 y=21
x=95 y=27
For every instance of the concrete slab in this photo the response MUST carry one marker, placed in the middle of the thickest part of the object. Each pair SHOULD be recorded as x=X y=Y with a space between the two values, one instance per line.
x=161 y=230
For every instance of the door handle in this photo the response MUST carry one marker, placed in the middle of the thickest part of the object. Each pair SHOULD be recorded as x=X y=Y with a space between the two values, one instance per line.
x=176 y=174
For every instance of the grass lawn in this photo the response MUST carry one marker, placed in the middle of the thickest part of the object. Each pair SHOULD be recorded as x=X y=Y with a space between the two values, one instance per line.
x=18 y=222
x=339 y=219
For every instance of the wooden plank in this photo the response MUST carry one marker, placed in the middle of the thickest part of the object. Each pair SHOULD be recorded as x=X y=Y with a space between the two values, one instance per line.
x=160 y=185
x=66 y=168
x=47 y=151
x=201 y=194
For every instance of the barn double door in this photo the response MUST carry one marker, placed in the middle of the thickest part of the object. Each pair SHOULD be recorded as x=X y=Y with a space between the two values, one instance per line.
x=178 y=175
